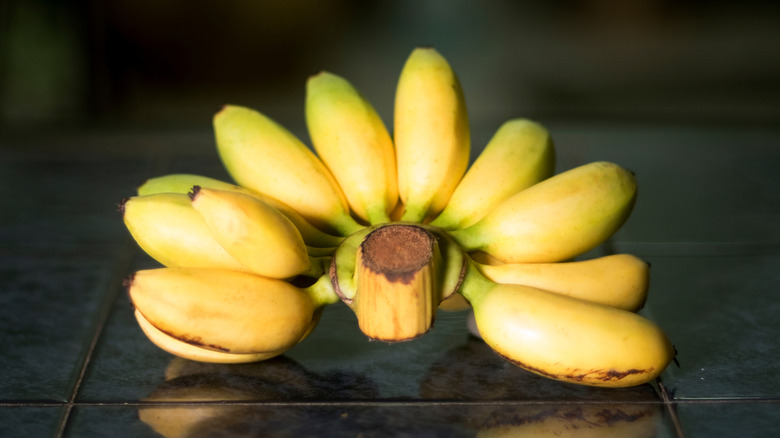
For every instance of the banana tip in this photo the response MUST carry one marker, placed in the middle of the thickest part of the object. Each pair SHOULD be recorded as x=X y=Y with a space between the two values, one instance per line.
x=121 y=206
x=194 y=192
x=127 y=282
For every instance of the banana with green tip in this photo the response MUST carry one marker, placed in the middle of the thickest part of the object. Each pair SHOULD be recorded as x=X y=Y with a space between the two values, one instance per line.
x=263 y=156
x=565 y=338
x=554 y=220
x=353 y=142
x=519 y=155
x=254 y=233
x=218 y=315
x=431 y=131
x=618 y=280
x=183 y=183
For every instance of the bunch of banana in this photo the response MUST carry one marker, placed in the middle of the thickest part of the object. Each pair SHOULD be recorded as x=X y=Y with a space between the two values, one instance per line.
x=397 y=228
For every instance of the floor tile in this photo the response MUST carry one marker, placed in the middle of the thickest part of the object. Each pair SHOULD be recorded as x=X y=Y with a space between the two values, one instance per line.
x=721 y=313
x=48 y=311
x=65 y=201
x=745 y=420
x=29 y=421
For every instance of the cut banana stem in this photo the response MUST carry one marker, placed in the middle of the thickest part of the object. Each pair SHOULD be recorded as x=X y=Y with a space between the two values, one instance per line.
x=519 y=155
x=565 y=338
x=557 y=219
x=353 y=142
x=618 y=280
x=217 y=315
x=393 y=277
x=184 y=182
x=431 y=132
x=263 y=156
x=397 y=283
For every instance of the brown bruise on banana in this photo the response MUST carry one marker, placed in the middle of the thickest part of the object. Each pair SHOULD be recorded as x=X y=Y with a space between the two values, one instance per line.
x=588 y=377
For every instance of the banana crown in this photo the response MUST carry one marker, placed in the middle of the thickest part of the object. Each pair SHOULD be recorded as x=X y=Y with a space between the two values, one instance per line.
x=398 y=228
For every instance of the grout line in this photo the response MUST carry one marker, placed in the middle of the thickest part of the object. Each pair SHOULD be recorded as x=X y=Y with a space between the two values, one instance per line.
x=113 y=287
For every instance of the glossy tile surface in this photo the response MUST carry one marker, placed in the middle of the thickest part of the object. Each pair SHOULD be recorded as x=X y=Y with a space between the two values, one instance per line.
x=76 y=364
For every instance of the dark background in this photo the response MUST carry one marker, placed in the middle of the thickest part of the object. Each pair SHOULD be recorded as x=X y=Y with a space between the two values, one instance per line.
x=174 y=63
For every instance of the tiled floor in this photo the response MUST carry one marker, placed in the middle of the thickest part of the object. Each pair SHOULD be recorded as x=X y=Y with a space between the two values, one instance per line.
x=75 y=364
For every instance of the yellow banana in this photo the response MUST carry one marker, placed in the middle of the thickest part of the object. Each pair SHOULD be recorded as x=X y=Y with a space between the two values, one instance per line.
x=263 y=156
x=183 y=183
x=193 y=352
x=431 y=132
x=224 y=311
x=254 y=233
x=167 y=228
x=353 y=142
x=556 y=219
x=519 y=155
x=618 y=280
x=565 y=338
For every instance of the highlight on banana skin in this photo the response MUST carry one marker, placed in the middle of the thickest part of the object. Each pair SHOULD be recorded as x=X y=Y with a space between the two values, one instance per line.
x=397 y=228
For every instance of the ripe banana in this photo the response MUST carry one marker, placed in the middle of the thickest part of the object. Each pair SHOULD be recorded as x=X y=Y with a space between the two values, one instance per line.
x=432 y=136
x=565 y=338
x=519 y=155
x=618 y=280
x=559 y=218
x=183 y=183
x=263 y=156
x=254 y=233
x=167 y=228
x=353 y=142
x=241 y=316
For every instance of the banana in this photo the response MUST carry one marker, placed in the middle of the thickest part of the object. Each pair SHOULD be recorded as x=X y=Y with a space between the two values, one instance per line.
x=242 y=316
x=353 y=142
x=167 y=228
x=618 y=280
x=193 y=352
x=183 y=183
x=431 y=131
x=565 y=338
x=559 y=218
x=519 y=155
x=263 y=156
x=254 y=233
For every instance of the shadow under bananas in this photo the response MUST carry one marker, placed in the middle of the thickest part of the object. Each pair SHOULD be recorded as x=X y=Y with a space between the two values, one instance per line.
x=207 y=399
x=510 y=401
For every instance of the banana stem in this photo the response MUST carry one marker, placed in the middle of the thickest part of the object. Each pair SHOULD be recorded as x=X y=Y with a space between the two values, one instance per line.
x=475 y=285
x=397 y=282
x=322 y=292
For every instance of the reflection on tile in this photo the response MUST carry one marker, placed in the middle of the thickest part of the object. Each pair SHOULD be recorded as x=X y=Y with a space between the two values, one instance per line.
x=400 y=420
x=744 y=420
x=721 y=313
x=27 y=421
x=49 y=308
